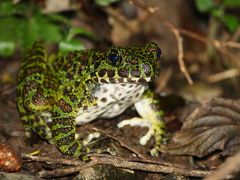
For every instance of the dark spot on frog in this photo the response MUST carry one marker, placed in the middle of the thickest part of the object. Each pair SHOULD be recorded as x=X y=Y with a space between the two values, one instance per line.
x=105 y=90
x=137 y=95
x=96 y=79
x=104 y=99
x=111 y=73
x=64 y=106
x=128 y=92
x=39 y=99
x=102 y=72
x=85 y=108
x=142 y=80
x=135 y=73
x=103 y=80
x=123 y=73
x=120 y=79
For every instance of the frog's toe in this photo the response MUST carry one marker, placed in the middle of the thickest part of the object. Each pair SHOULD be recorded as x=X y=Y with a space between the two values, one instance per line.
x=143 y=140
x=90 y=138
x=96 y=144
x=136 y=121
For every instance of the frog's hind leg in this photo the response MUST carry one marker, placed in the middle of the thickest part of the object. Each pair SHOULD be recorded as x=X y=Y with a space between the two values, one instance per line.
x=33 y=97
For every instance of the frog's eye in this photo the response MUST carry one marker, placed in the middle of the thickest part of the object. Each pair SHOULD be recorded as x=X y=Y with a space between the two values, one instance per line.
x=113 y=58
x=158 y=53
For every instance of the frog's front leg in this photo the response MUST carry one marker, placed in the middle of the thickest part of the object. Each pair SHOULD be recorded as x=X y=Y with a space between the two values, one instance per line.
x=63 y=129
x=150 y=117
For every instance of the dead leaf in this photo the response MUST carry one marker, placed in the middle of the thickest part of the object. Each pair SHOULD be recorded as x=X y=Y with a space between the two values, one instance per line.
x=213 y=126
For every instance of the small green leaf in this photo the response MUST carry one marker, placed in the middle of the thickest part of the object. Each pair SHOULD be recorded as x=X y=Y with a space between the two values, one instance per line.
x=6 y=48
x=73 y=32
x=232 y=3
x=73 y=45
x=230 y=21
x=105 y=2
x=204 y=5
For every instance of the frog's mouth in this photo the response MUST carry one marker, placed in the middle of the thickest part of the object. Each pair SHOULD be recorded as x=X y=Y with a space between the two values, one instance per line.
x=123 y=80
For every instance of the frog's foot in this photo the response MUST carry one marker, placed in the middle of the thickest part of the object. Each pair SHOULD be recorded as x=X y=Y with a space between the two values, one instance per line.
x=96 y=144
x=156 y=130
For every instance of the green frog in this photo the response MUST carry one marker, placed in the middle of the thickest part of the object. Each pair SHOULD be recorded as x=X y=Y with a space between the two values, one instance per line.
x=54 y=95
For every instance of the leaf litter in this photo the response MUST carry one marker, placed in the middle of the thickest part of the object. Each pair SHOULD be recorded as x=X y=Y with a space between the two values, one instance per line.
x=213 y=126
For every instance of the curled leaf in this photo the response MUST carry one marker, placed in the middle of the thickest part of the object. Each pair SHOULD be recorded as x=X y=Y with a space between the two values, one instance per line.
x=213 y=126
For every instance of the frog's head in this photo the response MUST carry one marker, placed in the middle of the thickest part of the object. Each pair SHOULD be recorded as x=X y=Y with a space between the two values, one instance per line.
x=127 y=64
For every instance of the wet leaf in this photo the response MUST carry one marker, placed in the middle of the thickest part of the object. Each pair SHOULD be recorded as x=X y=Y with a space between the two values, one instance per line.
x=213 y=126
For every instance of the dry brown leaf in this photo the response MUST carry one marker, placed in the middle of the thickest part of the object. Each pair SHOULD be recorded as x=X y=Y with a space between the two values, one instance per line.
x=213 y=126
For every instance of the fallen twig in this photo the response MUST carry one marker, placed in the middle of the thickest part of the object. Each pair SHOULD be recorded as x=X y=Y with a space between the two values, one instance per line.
x=122 y=163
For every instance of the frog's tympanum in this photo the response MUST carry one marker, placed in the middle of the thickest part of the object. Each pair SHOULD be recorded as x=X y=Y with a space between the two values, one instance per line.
x=56 y=94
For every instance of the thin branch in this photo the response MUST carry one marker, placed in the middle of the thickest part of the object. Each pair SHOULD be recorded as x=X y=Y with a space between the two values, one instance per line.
x=121 y=163
x=223 y=75
x=50 y=160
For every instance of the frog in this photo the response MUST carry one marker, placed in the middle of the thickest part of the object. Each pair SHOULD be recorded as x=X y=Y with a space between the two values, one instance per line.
x=55 y=95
